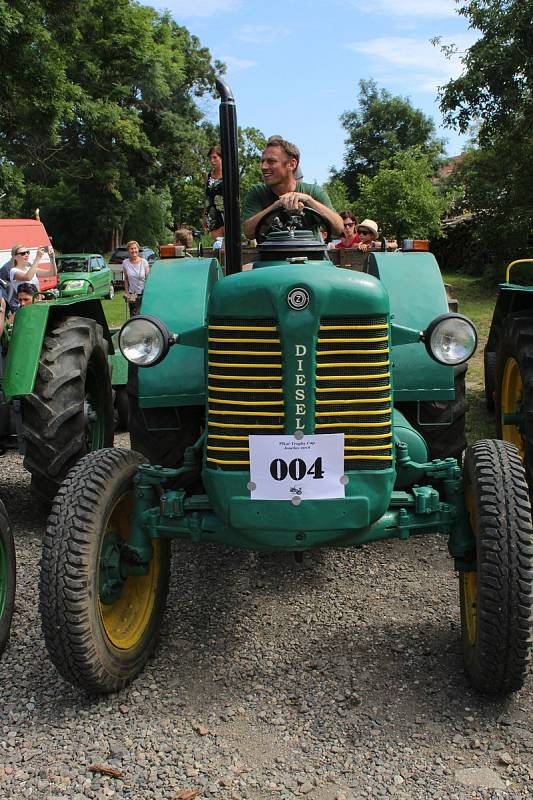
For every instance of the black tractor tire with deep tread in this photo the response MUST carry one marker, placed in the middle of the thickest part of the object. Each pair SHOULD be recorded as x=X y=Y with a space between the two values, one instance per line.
x=498 y=653
x=161 y=434
x=69 y=582
x=54 y=419
x=7 y=577
x=517 y=342
x=440 y=422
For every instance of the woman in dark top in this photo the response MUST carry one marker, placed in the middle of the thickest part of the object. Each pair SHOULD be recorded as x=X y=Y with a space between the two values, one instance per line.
x=214 y=201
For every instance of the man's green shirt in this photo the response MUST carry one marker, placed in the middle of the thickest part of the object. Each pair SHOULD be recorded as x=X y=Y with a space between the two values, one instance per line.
x=261 y=196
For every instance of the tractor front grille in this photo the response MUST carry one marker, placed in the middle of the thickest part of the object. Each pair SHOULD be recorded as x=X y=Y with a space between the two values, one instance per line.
x=353 y=390
x=245 y=390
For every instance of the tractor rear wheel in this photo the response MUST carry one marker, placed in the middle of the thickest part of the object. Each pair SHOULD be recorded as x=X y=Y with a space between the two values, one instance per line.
x=440 y=422
x=7 y=577
x=496 y=598
x=100 y=627
x=514 y=388
x=70 y=411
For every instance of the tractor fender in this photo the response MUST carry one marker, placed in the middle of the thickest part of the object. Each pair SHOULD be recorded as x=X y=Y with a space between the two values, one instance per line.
x=177 y=292
x=29 y=329
x=417 y=295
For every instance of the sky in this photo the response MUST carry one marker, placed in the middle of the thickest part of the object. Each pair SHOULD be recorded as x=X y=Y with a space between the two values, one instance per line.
x=294 y=65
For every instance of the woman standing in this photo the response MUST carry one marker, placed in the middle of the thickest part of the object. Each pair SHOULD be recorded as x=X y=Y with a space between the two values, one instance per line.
x=22 y=272
x=136 y=271
x=214 y=200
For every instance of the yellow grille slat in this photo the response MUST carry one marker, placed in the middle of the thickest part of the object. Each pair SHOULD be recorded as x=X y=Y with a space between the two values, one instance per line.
x=363 y=400
x=265 y=353
x=244 y=366
x=247 y=413
x=368 y=458
x=274 y=390
x=353 y=328
x=219 y=461
x=247 y=402
x=234 y=438
x=354 y=424
x=241 y=328
x=351 y=352
x=380 y=376
x=228 y=449
x=213 y=424
x=357 y=341
x=246 y=378
x=354 y=389
x=243 y=341
x=370 y=447
x=370 y=436
x=353 y=364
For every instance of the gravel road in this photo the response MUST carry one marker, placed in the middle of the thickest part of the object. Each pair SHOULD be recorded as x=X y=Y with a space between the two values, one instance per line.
x=333 y=679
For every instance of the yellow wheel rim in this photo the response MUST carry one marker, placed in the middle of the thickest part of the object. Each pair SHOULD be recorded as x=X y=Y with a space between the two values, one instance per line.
x=511 y=395
x=468 y=580
x=126 y=620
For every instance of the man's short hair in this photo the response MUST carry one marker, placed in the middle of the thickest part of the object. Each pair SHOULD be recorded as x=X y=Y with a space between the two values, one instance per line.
x=289 y=149
x=183 y=236
x=26 y=288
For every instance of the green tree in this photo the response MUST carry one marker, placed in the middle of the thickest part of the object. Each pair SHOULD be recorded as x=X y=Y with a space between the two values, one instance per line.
x=494 y=98
x=382 y=126
x=338 y=194
x=402 y=197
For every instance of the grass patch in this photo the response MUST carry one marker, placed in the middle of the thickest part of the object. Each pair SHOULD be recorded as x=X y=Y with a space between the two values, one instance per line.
x=115 y=310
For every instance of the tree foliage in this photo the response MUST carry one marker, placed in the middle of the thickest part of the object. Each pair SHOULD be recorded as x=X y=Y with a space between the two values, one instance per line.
x=382 y=126
x=494 y=97
x=402 y=197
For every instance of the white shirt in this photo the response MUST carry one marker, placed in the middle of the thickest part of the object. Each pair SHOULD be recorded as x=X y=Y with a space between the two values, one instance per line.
x=15 y=283
x=136 y=274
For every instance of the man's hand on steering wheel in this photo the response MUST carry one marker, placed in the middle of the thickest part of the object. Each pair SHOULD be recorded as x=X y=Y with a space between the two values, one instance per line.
x=286 y=212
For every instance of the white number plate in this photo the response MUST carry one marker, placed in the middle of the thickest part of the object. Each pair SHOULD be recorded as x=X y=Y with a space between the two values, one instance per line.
x=283 y=468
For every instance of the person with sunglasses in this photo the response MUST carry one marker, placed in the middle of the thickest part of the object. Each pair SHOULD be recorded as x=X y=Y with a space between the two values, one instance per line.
x=368 y=231
x=21 y=270
x=350 y=237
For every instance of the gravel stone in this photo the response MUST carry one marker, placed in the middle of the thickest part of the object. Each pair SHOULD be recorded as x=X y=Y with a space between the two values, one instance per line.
x=338 y=678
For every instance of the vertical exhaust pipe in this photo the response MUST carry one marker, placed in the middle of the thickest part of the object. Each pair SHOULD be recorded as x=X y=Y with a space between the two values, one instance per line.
x=230 y=178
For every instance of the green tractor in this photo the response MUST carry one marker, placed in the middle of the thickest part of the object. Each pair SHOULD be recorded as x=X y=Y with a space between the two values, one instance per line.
x=56 y=396
x=292 y=406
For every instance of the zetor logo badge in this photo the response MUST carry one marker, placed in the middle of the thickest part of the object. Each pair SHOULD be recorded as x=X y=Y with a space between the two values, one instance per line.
x=298 y=298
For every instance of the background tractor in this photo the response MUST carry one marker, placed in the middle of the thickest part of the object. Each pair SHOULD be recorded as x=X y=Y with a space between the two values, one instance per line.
x=56 y=394
x=286 y=407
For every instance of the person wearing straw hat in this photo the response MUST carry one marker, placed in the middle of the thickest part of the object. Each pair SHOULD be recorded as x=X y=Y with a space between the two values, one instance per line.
x=368 y=231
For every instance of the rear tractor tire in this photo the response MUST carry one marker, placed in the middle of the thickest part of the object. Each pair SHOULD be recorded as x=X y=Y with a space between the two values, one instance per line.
x=70 y=411
x=496 y=598
x=514 y=389
x=100 y=628
x=7 y=577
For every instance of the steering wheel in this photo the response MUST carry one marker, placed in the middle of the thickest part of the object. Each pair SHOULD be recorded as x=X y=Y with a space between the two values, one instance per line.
x=286 y=218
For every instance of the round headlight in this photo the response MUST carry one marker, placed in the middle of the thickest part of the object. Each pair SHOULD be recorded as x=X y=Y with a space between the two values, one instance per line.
x=144 y=340
x=451 y=339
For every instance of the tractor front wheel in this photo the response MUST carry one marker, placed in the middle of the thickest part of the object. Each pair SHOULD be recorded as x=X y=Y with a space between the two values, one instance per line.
x=70 y=411
x=7 y=577
x=496 y=598
x=100 y=614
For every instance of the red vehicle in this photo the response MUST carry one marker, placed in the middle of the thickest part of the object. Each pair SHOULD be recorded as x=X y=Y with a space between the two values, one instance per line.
x=32 y=234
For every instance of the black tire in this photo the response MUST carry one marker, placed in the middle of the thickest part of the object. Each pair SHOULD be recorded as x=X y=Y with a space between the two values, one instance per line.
x=440 y=422
x=162 y=434
x=121 y=406
x=7 y=577
x=514 y=387
x=70 y=411
x=489 y=365
x=97 y=645
x=497 y=598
